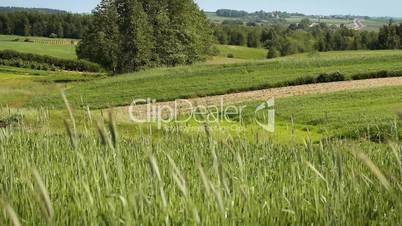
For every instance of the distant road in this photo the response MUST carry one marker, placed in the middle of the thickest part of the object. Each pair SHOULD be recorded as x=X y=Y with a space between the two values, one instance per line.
x=358 y=24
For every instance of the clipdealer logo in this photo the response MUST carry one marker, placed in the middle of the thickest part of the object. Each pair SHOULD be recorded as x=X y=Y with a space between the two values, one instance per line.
x=182 y=111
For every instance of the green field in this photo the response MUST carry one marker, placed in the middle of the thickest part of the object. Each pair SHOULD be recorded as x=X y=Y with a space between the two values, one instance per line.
x=43 y=46
x=334 y=159
x=358 y=114
x=240 y=52
x=248 y=70
x=203 y=80
x=18 y=86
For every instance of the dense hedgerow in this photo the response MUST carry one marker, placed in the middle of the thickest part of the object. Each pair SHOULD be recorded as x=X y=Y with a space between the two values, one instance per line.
x=308 y=79
x=329 y=77
x=27 y=64
x=337 y=77
x=377 y=74
x=322 y=78
x=33 y=61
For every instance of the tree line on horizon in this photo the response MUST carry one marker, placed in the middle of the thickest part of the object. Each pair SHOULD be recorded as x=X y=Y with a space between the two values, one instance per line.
x=258 y=14
x=283 y=40
x=24 y=9
x=54 y=24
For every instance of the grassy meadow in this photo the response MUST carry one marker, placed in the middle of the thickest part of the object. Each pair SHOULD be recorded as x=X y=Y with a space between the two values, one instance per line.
x=204 y=80
x=240 y=52
x=334 y=159
x=62 y=48
x=368 y=114
x=19 y=85
x=248 y=70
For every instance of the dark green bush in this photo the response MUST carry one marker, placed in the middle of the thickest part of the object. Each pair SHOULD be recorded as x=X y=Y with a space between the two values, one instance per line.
x=230 y=55
x=322 y=78
x=53 y=35
x=331 y=77
x=302 y=80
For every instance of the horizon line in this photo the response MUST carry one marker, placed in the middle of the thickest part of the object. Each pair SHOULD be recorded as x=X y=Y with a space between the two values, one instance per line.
x=214 y=11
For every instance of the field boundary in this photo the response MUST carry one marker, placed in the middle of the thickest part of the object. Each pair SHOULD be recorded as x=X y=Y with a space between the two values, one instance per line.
x=265 y=94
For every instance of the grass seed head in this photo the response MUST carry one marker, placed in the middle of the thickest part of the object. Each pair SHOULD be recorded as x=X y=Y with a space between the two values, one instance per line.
x=43 y=195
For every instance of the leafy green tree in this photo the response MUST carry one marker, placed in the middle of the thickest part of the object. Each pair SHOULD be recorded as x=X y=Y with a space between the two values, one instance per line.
x=38 y=29
x=287 y=47
x=221 y=36
x=272 y=53
x=135 y=36
x=300 y=42
x=7 y=25
x=253 y=38
x=100 y=43
x=168 y=49
x=388 y=37
x=192 y=29
x=22 y=26
x=237 y=37
x=59 y=30
x=1 y=26
x=321 y=45
x=269 y=37
x=400 y=32
x=328 y=41
x=339 y=41
x=304 y=24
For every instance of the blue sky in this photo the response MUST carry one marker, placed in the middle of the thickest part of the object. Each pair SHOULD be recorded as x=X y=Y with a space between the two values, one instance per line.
x=324 y=7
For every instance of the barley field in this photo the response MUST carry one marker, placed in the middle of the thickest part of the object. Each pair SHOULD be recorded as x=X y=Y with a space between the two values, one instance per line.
x=94 y=177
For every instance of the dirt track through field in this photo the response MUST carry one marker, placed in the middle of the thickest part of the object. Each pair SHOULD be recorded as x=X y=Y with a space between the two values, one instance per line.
x=237 y=98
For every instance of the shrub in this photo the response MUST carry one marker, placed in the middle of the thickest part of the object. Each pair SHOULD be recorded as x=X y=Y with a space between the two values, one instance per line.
x=272 y=53
x=230 y=55
x=53 y=35
x=332 y=77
